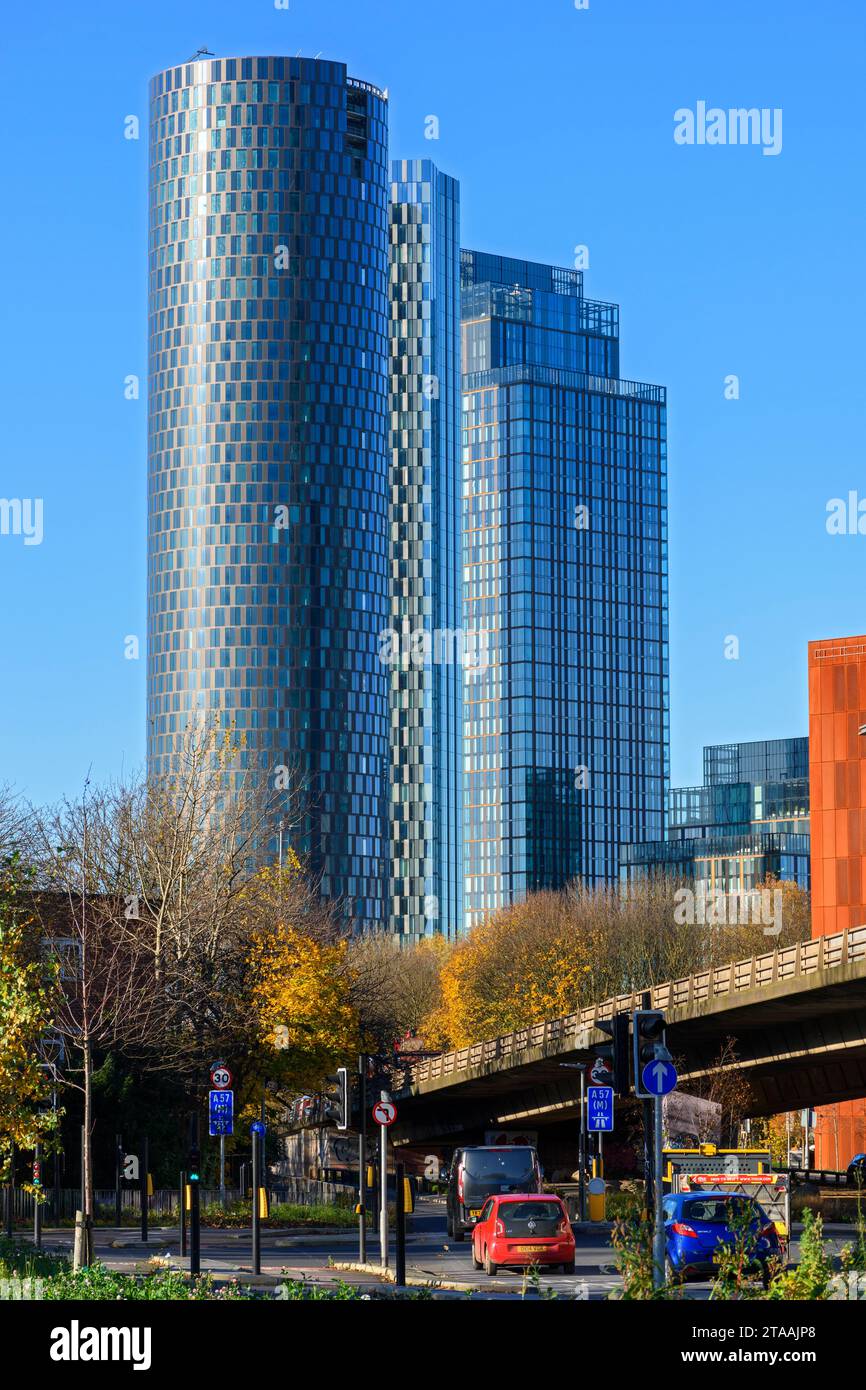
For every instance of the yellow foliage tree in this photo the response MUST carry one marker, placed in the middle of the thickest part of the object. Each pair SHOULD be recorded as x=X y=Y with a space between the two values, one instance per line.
x=527 y=962
x=26 y=984
x=301 y=1000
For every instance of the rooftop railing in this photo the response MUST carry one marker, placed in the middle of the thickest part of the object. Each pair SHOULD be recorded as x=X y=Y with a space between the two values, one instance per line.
x=751 y=843
x=366 y=87
x=564 y=377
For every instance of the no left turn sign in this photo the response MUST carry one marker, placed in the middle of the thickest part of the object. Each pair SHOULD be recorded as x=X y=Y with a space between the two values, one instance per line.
x=384 y=1112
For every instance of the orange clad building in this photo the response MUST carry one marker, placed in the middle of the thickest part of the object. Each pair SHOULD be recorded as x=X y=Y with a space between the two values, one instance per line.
x=837 y=795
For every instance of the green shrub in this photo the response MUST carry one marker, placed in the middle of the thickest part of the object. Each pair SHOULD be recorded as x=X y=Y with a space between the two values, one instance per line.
x=282 y=1214
x=99 y=1284
x=812 y=1277
x=736 y=1261
x=632 y=1239
x=19 y=1260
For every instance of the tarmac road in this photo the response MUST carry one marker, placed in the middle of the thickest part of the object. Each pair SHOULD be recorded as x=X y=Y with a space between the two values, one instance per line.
x=431 y=1258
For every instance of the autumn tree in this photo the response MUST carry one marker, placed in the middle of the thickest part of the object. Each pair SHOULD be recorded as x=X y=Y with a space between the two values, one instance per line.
x=300 y=996
x=639 y=937
x=526 y=962
x=396 y=986
x=26 y=987
x=557 y=951
x=150 y=892
x=782 y=1134
x=298 y=982
x=196 y=844
x=104 y=993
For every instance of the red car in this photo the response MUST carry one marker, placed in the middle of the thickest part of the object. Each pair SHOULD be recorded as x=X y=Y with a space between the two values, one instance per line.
x=523 y=1229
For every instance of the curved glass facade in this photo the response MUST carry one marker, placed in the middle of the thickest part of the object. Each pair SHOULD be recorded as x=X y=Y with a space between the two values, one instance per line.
x=268 y=457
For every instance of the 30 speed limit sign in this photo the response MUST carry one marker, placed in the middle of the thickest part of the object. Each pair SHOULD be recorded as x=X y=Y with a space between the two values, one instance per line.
x=384 y=1112
x=220 y=1077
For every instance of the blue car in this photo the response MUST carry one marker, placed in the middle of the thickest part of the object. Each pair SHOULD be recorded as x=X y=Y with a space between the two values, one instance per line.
x=697 y=1223
x=856 y=1175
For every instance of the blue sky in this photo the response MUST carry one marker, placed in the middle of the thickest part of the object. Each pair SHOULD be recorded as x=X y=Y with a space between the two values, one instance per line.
x=559 y=123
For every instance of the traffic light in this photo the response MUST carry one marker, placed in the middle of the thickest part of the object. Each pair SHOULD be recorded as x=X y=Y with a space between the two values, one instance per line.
x=649 y=1046
x=343 y=1110
x=615 y=1053
x=337 y=1107
x=194 y=1176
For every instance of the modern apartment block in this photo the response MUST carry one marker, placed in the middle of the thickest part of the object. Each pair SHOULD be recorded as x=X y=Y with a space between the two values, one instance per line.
x=423 y=647
x=268 y=490
x=565 y=586
x=748 y=820
x=837 y=771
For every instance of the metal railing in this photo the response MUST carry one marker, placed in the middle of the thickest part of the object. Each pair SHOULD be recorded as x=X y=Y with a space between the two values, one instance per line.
x=366 y=87
x=824 y=1177
x=62 y=1203
x=784 y=963
x=567 y=378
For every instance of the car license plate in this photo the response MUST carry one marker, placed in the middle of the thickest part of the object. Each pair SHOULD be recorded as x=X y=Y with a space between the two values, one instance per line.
x=474 y=1215
x=530 y=1249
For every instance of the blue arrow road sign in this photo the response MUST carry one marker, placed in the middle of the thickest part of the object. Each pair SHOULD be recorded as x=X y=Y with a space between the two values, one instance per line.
x=257 y=1127
x=221 y=1112
x=599 y=1108
x=659 y=1077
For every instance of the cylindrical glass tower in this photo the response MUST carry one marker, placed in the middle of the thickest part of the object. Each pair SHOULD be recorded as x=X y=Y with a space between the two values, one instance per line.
x=267 y=478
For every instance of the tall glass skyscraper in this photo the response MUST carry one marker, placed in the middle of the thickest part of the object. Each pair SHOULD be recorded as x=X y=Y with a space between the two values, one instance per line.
x=424 y=649
x=268 y=450
x=565 y=579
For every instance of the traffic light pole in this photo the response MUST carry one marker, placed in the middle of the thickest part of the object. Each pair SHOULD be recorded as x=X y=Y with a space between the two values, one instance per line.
x=654 y=1076
x=257 y=1188
x=648 y=1161
x=400 y=1258
x=362 y=1162
x=118 y=1176
x=581 y=1151
x=383 y=1189
x=10 y=1194
x=194 y=1196
x=194 y=1229
x=37 y=1205
x=659 y=1228
x=648 y=1127
x=182 y=1213
x=142 y=1178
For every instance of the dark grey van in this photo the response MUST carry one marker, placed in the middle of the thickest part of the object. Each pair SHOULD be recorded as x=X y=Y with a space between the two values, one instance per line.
x=478 y=1173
